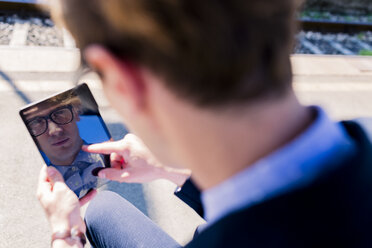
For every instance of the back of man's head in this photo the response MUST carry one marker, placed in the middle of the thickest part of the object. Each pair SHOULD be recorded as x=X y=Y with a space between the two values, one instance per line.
x=211 y=52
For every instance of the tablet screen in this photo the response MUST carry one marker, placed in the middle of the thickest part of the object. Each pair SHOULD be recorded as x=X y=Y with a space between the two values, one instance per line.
x=59 y=126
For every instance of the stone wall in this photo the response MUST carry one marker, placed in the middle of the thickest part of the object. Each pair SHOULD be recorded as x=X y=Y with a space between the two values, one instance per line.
x=341 y=6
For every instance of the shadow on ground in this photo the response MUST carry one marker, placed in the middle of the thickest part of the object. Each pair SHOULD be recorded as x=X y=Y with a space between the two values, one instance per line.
x=11 y=83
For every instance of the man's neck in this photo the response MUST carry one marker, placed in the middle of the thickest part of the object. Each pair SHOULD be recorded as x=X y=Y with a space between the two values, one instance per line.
x=217 y=145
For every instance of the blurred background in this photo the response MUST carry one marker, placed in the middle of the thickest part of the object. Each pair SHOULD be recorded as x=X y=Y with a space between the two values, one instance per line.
x=332 y=67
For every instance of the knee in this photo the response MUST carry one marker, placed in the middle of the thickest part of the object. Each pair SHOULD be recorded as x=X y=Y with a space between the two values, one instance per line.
x=100 y=208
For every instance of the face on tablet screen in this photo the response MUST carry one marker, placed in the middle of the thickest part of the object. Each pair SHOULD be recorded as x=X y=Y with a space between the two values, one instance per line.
x=60 y=126
x=56 y=132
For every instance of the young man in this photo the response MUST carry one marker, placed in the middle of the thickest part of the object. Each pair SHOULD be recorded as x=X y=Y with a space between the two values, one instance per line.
x=53 y=125
x=206 y=85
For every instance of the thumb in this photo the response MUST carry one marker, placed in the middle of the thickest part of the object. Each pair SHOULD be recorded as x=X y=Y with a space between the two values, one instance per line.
x=54 y=175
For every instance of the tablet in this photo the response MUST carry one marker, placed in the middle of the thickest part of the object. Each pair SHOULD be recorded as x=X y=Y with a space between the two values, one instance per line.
x=59 y=126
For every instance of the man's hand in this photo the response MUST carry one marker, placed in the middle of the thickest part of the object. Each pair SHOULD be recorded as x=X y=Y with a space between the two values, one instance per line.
x=132 y=162
x=61 y=205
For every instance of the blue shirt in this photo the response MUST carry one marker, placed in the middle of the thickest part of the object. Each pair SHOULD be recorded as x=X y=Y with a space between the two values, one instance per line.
x=318 y=149
x=82 y=180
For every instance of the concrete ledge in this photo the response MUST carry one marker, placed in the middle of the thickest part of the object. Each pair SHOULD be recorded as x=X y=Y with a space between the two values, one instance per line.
x=67 y=59
x=331 y=65
x=39 y=59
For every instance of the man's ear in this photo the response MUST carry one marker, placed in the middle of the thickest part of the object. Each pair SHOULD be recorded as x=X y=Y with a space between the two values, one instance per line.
x=120 y=76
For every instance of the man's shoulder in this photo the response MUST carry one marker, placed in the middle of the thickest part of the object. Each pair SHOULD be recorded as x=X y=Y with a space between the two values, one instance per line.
x=333 y=210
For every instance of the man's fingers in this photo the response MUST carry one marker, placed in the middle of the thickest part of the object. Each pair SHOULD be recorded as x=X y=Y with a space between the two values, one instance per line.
x=114 y=174
x=116 y=165
x=54 y=175
x=43 y=190
x=105 y=147
x=117 y=161
x=88 y=197
x=43 y=174
x=43 y=187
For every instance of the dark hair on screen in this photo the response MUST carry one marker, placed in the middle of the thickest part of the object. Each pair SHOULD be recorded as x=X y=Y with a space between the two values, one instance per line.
x=63 y=99
x=211 y=52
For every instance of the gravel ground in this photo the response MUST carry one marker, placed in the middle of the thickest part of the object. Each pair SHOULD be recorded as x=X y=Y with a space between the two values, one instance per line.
x=41 y=32
x=366 y=37
x=329 y=16
x=345 y=7
x=6 y=29
x=355 y=43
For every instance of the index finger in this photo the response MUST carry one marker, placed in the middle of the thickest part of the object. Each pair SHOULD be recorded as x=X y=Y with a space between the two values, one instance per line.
x=43 y=187
x=105 y=147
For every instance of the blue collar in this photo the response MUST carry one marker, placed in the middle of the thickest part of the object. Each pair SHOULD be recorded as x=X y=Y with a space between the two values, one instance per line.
x=318 y=149
x=81 y=156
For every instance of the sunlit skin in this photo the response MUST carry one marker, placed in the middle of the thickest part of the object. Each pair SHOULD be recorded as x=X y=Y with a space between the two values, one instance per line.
x=60 y=143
